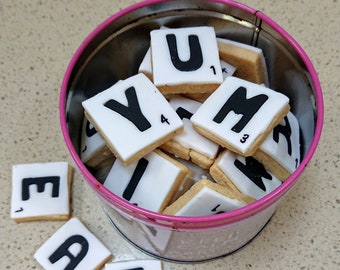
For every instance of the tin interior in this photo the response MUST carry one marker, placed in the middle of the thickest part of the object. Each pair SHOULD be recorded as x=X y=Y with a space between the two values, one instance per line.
x=115 y=50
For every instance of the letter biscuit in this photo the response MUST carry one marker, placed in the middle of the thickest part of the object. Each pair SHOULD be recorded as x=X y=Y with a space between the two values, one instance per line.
x=133 y=118
x=152 y=182
x=206 y=198
x=244 y=174
x=239 y=115
x=280 y=152
x=41 y=191
x=73 y=246
x=135 y=265
x=185 y=60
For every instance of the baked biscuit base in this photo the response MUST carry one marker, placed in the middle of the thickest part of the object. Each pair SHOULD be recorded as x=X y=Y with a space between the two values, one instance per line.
x=207 y=88
x=272 y=165
x=188 y=154
x=187 y=196
x=249 y=64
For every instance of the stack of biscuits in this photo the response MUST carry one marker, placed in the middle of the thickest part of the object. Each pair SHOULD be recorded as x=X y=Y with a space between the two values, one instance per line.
x=197 y=131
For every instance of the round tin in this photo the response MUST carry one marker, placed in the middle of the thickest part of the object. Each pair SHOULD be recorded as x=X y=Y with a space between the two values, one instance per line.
x=114 y=50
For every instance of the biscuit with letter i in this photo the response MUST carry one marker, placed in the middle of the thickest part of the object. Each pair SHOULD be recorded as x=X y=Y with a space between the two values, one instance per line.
x=190 y=145
x=248 y=60
x=135 y=265
x=133 y=118
x=244 y=174
x=280 y=152
x=152 y=182
x=207 y=198
x=185 y=60
x=41 y=191
x=146 y=65
x=93 y=148
x=73 y=246
x=239 y=115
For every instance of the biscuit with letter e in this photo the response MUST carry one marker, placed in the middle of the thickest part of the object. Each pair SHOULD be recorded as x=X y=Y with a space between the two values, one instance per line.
x=133 y=118
x=41 y=191
x=239 y=115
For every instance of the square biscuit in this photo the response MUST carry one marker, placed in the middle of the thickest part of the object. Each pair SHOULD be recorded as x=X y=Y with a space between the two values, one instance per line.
x=206 y=198
x=239 y=115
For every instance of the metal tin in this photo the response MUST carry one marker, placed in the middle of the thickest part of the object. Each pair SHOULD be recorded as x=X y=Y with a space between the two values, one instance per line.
x=114 y=50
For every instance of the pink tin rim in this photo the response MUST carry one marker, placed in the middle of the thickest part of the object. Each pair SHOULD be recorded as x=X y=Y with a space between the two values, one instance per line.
x=204 y=221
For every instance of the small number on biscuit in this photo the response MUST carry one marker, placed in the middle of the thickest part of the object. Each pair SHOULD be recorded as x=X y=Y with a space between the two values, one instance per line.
x=164 y=119
x=244 y=138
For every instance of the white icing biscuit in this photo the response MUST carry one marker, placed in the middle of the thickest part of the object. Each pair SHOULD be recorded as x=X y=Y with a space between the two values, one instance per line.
x=249 y=60
x=41 y=191
x=240 y=114
x=73 y=246
x=135 y=265
x=190 y=144
x=244 y=174
x=185 y=60
x=151 y=183
x=280 y=152
x=133 y=118
x=93 y=148
x=206 y=198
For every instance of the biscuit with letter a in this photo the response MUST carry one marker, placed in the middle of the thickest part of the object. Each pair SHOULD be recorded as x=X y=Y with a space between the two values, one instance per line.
x=41 y=191
x=133 y=118
x=73 y=246
x=206 y=198
x=185 y=60
x=239 y=115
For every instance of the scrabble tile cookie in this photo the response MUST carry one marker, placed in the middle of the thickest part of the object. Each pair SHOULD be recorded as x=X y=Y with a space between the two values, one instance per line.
x=133 y=118
x=280 y=152
x=73 y=246
x=135 y=265
x=249 y=60
x=239 y=115
x=151 y=183
x=206 y=198
x=190 y=145
x=41 y=191
x=185 y=60
x=93 y=148
x=244 y=174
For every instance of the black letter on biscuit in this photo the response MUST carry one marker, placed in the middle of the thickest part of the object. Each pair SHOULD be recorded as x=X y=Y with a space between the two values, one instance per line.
x=132 y=112
x=239 y=103
x=286 y=131
x=254 y=170
x=40 y=182
x=196 y=58
x=136 y=176
x=63 y=250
